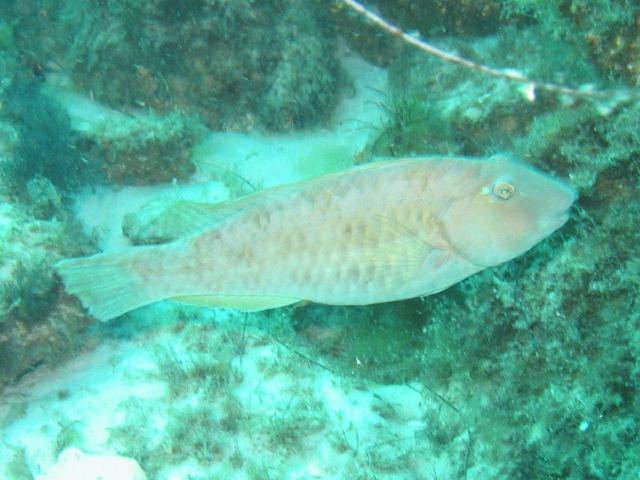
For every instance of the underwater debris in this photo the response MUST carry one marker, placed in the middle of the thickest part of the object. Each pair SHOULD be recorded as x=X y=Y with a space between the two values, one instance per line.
x=530 y=85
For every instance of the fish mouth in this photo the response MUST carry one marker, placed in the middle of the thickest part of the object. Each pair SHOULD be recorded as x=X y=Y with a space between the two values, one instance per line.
x=571 y=195
x=555 y=222
x=562 y=205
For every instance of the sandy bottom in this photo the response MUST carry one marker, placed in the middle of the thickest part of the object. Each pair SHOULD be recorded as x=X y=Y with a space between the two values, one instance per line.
x=216 y=396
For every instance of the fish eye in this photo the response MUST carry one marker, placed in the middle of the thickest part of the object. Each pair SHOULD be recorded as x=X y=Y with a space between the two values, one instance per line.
x=503 y=190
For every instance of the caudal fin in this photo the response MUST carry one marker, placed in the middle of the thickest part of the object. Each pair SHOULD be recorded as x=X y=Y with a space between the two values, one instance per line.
x=110 y=284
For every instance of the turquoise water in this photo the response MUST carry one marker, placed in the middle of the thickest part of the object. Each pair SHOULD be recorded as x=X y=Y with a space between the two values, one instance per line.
x=113 y=113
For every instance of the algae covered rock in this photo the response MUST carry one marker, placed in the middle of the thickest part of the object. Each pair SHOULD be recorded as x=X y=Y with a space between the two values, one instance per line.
x=437 y=107
x=39 y=323
x=607 y=30
x=9 y=58
x=145 y=149
x=549 y=344
x=239 y=64
x=44 y=199
x=372 y=342
x=453 y=17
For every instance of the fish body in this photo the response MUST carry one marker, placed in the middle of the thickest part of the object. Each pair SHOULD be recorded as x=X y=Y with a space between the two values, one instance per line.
x=386 y=231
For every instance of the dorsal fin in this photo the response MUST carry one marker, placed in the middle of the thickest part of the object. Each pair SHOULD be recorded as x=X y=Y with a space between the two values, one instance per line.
x=402 y=254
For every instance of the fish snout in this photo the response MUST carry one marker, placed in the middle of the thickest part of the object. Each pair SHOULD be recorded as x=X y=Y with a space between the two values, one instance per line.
x=552 y=223
x=563 y=197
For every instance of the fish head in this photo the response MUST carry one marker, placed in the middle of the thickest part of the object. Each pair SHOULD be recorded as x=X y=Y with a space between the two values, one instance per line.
x=503 y=209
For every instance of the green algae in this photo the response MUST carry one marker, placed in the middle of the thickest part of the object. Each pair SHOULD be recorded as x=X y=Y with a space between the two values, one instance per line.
x=374 y=342
x=45 y=145
x=17 y=468
x=202 y=419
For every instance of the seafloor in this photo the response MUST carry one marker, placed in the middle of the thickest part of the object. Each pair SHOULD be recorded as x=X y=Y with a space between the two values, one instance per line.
x=112 y=110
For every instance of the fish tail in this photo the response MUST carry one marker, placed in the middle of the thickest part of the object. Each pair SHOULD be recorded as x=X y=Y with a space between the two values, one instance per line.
x=111 y=284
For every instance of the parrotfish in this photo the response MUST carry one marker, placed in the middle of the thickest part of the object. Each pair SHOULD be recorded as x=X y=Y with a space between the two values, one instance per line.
x=386 y=231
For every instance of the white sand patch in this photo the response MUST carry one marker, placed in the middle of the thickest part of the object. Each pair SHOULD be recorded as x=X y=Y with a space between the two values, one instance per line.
x=85 y=114
x=84 y=395
x=74 y=464
x=295 y=419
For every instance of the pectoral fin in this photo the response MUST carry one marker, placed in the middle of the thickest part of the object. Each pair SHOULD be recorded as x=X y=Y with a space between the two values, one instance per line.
x=397 y=252
x=245 y=303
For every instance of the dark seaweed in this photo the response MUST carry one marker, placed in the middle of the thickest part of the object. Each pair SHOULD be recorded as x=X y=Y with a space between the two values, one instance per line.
x=46 y=143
